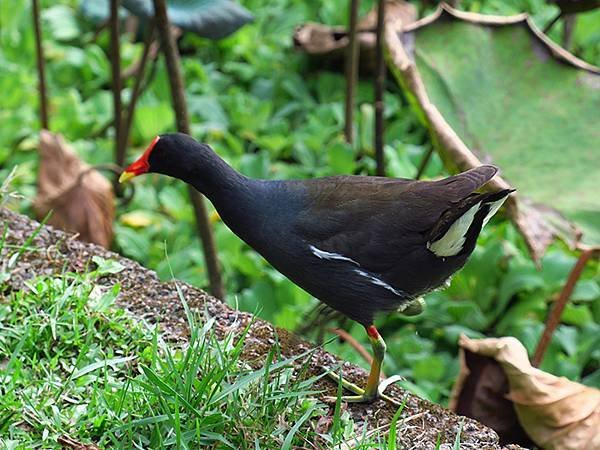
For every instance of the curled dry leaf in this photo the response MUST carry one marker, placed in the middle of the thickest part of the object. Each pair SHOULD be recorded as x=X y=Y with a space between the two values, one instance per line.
x=81 y=199
x=329 y=43
x=558 y=414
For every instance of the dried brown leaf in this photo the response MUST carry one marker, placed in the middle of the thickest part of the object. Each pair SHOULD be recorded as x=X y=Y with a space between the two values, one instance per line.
x=480 y=393
x=555 y=412
x=330 y=43
x=81 y=199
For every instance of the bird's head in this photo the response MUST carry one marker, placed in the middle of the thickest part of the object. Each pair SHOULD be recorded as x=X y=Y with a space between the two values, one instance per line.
x=180 y=156
x=174 y=154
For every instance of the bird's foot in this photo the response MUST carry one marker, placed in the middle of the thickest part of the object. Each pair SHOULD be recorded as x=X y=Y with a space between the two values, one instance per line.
x=412 y=308
x=361 y=395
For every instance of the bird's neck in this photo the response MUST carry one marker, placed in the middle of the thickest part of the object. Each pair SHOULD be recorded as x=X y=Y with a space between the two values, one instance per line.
x=237 y=198
x=213 y=177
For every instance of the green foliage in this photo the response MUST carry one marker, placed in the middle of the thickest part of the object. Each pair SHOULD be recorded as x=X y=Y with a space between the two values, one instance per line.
x=260 y=106
x=76 y=367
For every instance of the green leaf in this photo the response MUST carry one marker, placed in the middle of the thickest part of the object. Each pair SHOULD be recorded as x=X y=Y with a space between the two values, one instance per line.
x=456 y=445
x=152 y=119
x=341 y=158
x=593 y=379
x=100 y=364
x=106 y=300
x=416 y=389
x=60 y=21
x=392 y=444
x=556 y=267
x=586 y=291
x=567 y=337
x=519 y=279
x=430 y=367
x=98 y=11
x=255 y=165
x=107 y=266
x=287 y=443
x=398 y=162
x=213 y=19
x=174 y=201
x=209 y=109
x=506 y=95
x=578 y=315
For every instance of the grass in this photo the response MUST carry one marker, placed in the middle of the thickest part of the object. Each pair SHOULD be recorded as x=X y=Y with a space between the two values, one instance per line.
x=75 y=368
x=78 y=370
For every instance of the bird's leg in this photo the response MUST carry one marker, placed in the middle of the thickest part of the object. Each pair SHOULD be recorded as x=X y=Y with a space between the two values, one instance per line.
x=370 y=392
x=378 y=346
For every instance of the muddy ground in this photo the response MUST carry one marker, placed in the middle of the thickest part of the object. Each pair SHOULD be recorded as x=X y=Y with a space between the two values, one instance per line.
x=144 y=296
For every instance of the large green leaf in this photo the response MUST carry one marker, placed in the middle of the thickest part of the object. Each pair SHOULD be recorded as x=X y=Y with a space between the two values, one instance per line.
x=516 y=100
x=213 y=19
x=98 y=11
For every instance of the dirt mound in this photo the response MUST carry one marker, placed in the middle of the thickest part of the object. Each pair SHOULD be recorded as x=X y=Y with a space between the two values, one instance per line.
x=144 y=296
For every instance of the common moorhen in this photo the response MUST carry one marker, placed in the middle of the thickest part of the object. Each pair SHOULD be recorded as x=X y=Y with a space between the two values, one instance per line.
x=362 y=245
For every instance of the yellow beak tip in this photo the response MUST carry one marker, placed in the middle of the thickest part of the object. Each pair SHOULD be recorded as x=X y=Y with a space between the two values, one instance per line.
x=126 y=176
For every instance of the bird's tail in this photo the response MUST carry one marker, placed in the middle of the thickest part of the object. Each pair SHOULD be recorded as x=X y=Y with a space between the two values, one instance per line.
x=457 y=230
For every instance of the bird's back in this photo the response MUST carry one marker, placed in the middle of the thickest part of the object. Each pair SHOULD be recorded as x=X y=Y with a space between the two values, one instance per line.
x=368 y=244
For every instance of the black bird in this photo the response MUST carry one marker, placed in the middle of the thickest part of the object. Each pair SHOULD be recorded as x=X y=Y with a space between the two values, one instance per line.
x=362 y=245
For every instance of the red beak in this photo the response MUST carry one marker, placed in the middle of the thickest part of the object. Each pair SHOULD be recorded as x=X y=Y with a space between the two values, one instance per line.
x=140 y=165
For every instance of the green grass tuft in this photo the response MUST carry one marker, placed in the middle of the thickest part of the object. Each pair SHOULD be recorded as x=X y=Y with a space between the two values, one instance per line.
x=75 y=367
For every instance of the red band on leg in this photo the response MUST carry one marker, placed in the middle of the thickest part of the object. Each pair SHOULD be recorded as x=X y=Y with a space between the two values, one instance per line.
x=372 y=332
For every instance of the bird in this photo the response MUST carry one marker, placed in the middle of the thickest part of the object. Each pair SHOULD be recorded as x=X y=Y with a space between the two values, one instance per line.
x=363 y=245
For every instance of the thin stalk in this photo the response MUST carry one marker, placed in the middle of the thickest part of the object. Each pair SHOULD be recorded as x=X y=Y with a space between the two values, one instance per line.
x=554 y=316
x=171 y=53
x=351 y=71
x=568 y=30
x=379 y=90
x=41 y=67
x=552 y=23
x=134 y=68
x=145 y=81
x=424 y=163
x=137 y=85
x=115 y=59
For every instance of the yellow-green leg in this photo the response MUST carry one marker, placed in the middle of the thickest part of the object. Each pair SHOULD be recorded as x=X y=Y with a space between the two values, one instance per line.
x=371 y=390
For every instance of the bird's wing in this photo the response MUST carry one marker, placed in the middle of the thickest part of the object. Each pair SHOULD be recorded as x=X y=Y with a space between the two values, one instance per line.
x=369 y=220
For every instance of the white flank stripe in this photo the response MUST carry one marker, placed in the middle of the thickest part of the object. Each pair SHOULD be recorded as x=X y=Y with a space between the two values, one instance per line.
x=378 y=282
x=494 y=207
x=329 y=255
x=452 y=242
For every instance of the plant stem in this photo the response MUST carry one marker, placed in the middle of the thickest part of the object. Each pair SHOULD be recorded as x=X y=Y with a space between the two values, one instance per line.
x=568 y=29
x=204 y=229
x=559 y=306
x=379 y=90
x=424 y=163
x=44 y=122
x=115 y=60
x=351 y=70
x=136 y=90
x=550 y=24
